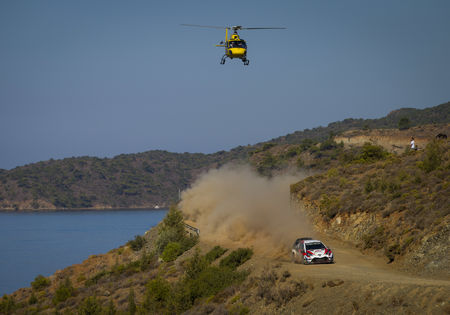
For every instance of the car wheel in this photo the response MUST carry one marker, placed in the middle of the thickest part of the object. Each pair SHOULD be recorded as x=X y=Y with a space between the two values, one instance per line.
x=293 y=258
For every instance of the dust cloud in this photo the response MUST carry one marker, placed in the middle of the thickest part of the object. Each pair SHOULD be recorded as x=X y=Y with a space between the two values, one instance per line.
x=234 y=206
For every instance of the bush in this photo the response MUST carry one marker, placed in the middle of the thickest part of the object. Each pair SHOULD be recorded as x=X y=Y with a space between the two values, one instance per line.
x=215 y=253
x=40 y=282
x=371 y=153
x=404 y=123
x=195 y=265
x=328 y=145
x=329 y=205
x=171 y=251
x=33 y=299
x=171 y=229
x=137 y=243
x=212 y=280
x=7 y=305
x=291 y=152
x=433 y=156
x=306 y=144
x=131 y=303
x=64 y=291
x=376 y=239
x=157 y=295
x=268 y=146
x=237 y=258
x=90 y=306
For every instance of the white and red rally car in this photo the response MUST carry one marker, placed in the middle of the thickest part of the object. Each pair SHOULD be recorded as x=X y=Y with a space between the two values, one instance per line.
x=308 y=251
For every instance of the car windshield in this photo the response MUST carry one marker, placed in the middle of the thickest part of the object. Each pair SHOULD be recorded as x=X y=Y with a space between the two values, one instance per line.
x=313 y=246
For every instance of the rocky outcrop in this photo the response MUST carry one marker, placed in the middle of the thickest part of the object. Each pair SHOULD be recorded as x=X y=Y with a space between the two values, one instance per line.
x=393 y=140
x=389 y=236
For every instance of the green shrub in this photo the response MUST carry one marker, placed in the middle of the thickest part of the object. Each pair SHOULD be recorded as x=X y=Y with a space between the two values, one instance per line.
x=131 y=303
x=157 y=294
x=137 y=243
x=171 y=251
x=268 y=146
x=200 y=281
x=328 y=145
x=171 y=229
x=404 y=123
x=64 y=291
x=291 y=152
x=215 y=253
x=40 y=282
x=7 y=305
x=147 y=261
x=433 y=156
x=237 y=258
x=306 y=144
x=110 y=309
x=33 y=299
x=329 y=205
x=195 y=265
x=212 y=280
x=90 y=306
x=371 y=153
x=96 y=278
x=376 y=239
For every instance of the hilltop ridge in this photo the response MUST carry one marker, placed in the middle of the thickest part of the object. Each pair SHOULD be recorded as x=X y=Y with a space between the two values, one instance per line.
x=154 y=178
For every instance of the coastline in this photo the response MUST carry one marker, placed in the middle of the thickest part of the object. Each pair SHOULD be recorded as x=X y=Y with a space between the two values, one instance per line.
x=82 y=209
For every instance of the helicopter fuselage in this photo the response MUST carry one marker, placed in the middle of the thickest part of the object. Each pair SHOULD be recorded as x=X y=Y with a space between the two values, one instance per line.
x=235 y=47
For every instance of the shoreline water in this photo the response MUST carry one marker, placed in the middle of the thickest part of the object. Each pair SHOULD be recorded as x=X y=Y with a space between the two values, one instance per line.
x=82 y=209
x=41 y=242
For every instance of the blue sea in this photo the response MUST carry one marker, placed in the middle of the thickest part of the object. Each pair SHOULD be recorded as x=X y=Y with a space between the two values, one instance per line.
x=34 y=243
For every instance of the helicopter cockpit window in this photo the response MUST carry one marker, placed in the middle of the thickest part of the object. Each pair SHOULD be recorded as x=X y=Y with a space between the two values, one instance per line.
x=237 y=44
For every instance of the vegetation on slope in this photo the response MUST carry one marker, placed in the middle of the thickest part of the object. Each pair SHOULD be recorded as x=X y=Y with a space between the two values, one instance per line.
x=413 y=188
x=142 y=284
x=129 y=180
x=156 y=177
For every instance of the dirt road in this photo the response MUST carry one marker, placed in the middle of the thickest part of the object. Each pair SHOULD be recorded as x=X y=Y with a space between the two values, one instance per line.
x=359 y=284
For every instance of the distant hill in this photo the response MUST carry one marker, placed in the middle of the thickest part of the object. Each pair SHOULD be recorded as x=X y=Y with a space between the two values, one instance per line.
x=147 y=179
x=433 y=115
x=154 y=178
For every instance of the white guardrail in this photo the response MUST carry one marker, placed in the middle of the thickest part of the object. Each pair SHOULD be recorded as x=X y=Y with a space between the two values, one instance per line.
x=193 y=231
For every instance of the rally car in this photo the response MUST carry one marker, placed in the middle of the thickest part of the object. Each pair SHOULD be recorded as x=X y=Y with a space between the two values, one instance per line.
x=308 y=251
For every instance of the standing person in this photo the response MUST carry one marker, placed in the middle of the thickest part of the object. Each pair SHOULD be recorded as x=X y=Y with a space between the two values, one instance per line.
x=413 y=144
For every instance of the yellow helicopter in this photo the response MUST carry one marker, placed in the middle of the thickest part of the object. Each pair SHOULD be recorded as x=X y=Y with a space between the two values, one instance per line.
x=235 y=47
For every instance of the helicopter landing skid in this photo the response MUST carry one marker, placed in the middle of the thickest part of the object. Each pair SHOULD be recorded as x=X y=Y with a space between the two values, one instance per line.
x=222 y=61
x=246 y=62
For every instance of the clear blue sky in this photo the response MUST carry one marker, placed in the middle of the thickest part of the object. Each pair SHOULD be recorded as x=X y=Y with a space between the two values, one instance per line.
x=101 y=78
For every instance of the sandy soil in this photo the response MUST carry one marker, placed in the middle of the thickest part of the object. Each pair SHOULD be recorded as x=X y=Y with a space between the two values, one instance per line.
x=356 y=283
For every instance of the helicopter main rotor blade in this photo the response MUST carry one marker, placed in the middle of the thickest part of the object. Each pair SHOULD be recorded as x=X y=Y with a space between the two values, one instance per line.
x=235 y=28
x=207 y=26
x=263 y=28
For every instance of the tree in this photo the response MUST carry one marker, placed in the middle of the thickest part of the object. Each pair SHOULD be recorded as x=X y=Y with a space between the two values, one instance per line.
x=131 y=303
x=171 y=229
x=404 y=123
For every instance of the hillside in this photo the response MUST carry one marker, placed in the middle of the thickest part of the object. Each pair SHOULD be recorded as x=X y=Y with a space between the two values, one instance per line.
x=397 y=205
x=154 y=178
x=142 y=180
x=385 y=215
x=412 y=117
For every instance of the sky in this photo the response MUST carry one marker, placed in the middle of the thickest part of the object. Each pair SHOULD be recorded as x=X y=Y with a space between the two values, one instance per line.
x=102 y=78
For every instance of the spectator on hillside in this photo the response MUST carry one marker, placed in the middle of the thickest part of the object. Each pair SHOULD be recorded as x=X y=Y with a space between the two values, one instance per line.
x=413 y=144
